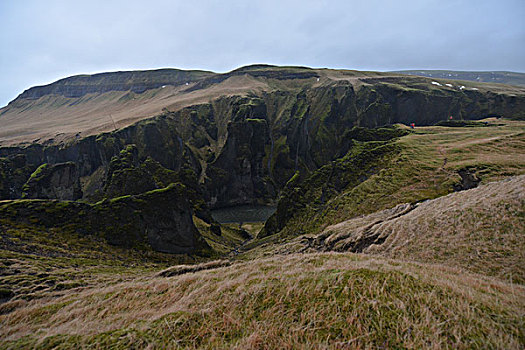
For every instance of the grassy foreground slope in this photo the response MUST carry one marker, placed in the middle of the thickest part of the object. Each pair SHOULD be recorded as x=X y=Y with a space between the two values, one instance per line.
x=39 y=263
x=323 y=300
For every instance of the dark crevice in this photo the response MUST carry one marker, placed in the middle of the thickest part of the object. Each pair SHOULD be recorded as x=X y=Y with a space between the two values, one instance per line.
x=468 y=180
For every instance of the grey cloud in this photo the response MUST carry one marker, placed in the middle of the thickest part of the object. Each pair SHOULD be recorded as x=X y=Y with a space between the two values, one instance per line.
x=42 y=41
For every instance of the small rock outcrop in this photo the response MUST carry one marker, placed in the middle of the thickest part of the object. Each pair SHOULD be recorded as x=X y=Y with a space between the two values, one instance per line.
x=57 y=181
x=359 y=234
x=468 y=180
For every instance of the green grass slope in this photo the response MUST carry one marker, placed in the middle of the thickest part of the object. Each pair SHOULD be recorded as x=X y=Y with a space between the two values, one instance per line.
x=37 y=263
x=73 y=292
x=443 y=271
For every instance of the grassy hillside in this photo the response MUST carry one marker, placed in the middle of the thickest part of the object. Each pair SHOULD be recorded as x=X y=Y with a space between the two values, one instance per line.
x=380 y=238
x=299 y=301
x=38 y=262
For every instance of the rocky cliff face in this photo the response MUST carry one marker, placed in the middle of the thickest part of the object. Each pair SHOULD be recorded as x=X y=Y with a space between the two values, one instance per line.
x=14 y=173
x=156 y=139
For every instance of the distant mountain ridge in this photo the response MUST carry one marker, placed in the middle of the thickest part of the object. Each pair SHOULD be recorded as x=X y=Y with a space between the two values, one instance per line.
x=501 y=77
x=84 y=105
x=135 y=81
x=141 y=80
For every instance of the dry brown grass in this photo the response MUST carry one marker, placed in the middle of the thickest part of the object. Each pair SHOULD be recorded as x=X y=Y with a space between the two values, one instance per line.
x=482 y=230
x=324 y=300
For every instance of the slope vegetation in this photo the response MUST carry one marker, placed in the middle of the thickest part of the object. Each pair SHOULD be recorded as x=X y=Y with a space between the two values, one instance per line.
x=480 y=229
x=380 y=238
x=300 y=301
x=428 y=163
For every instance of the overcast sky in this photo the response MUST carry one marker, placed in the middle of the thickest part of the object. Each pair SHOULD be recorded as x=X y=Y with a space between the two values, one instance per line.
x=43 y=41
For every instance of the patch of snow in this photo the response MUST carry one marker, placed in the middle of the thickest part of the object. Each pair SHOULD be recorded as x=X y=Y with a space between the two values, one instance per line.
x=474 y=89
x=317 y=79
x=187 y=83
x=461 y=87
x=449 y=85
x=163 y=86
x=436 y=83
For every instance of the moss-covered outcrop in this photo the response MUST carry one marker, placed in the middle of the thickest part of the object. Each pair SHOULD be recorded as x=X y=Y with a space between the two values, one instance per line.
x=157 y=139
x=57 y=181
x=460 y=123
x=127 y=175
x=160 y=219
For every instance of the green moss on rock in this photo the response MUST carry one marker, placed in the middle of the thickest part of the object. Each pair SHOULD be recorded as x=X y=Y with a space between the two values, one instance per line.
x=56 y=181
x=161 y=219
